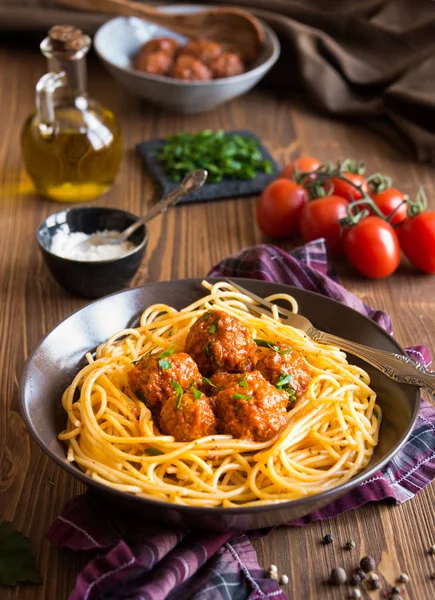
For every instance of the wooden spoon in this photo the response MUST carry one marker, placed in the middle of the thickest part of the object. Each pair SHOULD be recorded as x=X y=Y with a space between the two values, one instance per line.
x=236 y=29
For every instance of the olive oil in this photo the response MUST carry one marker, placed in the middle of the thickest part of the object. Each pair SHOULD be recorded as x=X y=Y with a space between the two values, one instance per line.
x=71 y=145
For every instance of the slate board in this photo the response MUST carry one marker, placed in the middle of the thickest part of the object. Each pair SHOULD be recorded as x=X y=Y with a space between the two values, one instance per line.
x=228 y=188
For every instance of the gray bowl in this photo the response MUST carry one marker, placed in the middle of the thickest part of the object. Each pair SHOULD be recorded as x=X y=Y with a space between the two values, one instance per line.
x=53 y=364
x=117 y=41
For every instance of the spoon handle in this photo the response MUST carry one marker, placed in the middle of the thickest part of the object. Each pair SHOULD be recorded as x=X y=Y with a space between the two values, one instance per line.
x=190 y=183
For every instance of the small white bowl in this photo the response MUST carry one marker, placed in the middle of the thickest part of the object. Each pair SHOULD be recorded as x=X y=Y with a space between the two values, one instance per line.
x=118 y=40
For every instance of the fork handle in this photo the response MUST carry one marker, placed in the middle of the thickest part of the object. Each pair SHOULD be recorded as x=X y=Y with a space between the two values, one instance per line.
x=396 y=366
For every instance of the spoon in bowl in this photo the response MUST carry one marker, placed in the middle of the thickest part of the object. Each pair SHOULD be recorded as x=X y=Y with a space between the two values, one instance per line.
x=190 y=183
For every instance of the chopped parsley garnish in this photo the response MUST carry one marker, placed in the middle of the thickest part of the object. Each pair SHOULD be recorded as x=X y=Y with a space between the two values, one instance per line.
x=274 y=347
x=196 y=394
x=207 y=315
x=283 y=380
x=213 y=326
x=164 y=364
x=141 y=397
x=153 y=452
x=208 y=381
x=243 y=382
x=206 y=350
x=167 y=353
x=178 y=390
x=242 y=397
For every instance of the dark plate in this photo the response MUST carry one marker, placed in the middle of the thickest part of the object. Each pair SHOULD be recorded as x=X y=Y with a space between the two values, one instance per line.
x=54 y=362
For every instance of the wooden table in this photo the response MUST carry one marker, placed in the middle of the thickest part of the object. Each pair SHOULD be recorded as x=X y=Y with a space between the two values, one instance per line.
x=186 y=242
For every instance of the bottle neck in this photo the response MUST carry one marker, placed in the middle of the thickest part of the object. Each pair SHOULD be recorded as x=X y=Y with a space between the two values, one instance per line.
x=75 y=74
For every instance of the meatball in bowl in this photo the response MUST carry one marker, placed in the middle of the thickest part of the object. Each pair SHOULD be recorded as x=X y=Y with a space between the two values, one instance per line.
x=182 y=75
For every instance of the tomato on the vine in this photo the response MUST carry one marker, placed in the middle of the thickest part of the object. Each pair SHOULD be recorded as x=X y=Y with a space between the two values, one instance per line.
x=417 y=239
x=320 y=218
x=347 y=190
x=304 y=163
x=372 y=247
x=279 y=207
x=388 y=201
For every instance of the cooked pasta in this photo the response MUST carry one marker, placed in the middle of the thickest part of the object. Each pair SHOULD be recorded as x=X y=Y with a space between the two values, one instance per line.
x=329 y=434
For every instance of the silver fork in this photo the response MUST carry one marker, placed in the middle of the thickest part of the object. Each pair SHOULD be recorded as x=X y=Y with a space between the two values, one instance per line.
x=396 y=366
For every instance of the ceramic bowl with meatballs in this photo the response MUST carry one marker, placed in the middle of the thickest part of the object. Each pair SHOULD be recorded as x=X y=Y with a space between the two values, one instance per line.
x=242 y=398
x=181 y=75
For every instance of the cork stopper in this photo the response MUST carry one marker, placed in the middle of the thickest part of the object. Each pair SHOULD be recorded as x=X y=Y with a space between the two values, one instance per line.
x=66 y=37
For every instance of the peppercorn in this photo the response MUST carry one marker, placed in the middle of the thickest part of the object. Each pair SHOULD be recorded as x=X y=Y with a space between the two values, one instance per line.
x=372 y=577
x=355 y=594
x=367 y=564
x=337 y=576
x=360 y=574
x=374 y=584
x=403 y=578
x=283 y=580
x=349 y=545
x=395 y=590
x=328 y=539
x=355 y=579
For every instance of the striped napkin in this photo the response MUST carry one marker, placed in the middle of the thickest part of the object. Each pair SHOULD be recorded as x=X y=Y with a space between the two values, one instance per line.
x=140 y=561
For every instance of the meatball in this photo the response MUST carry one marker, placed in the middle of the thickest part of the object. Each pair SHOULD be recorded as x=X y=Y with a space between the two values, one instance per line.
x=167 y=44
x=151 y=378
x=251 y=408
x=187 y=418
x=220 y=342
x=276 y=365
x=190 y=69
x=202 y=49
x=227 y=64
x=154 y=63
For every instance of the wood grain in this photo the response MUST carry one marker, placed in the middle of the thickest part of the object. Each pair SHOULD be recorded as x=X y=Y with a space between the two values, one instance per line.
x=186 y=242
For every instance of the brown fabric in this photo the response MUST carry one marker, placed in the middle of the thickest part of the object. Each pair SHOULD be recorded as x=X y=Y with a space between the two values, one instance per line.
x=368 y=59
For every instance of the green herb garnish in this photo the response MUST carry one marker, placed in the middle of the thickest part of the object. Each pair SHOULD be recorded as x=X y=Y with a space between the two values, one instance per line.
x=243 y=382
x=208 y=381
x=283 y=380
x=164 y=364
x=196 y=394
x=224 y=155
x=206 y=316
x=167 y=353
x=274 y=347
x=241 y=397
x=16 y=561
x=206 y=350
x=213 y=326
x=178 y=390
x=153 y=452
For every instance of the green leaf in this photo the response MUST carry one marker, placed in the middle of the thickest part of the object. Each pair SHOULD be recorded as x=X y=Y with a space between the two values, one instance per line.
x=213 y=326
x=164 y=364
x=208 y=381
x=266 y=344
x=178 y=390
x=196 y=394
x=16 y=561
x=241 y=397
x=167 y=353
x=206 y=316
x=153 y=452
x=283 y=380
x=243 y=382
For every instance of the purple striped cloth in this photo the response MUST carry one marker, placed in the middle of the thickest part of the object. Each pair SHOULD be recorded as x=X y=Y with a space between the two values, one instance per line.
x=142 y=561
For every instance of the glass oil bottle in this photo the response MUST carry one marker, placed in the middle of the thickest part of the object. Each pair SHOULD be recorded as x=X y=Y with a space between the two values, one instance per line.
x=71 y=145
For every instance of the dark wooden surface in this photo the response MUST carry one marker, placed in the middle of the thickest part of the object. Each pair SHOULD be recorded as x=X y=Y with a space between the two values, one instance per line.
x=186 y=242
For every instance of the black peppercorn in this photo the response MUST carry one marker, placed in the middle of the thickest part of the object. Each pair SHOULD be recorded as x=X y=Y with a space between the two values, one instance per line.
x=328 y=539
x=337 y=576
x=355 y=579
x=361 y=574
x=375 y=585
x=367 y=564
x=395 y=590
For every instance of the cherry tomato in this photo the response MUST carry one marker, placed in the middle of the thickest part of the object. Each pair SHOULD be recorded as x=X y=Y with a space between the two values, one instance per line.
x=417 y=238
x=304 y=163
x=346 y=190
x=319 y=218
x=279 y=207
x=372 y=248
x=388 y=201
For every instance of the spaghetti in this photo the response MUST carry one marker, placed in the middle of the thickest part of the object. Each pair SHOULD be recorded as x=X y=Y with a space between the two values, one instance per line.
x=329 y=436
